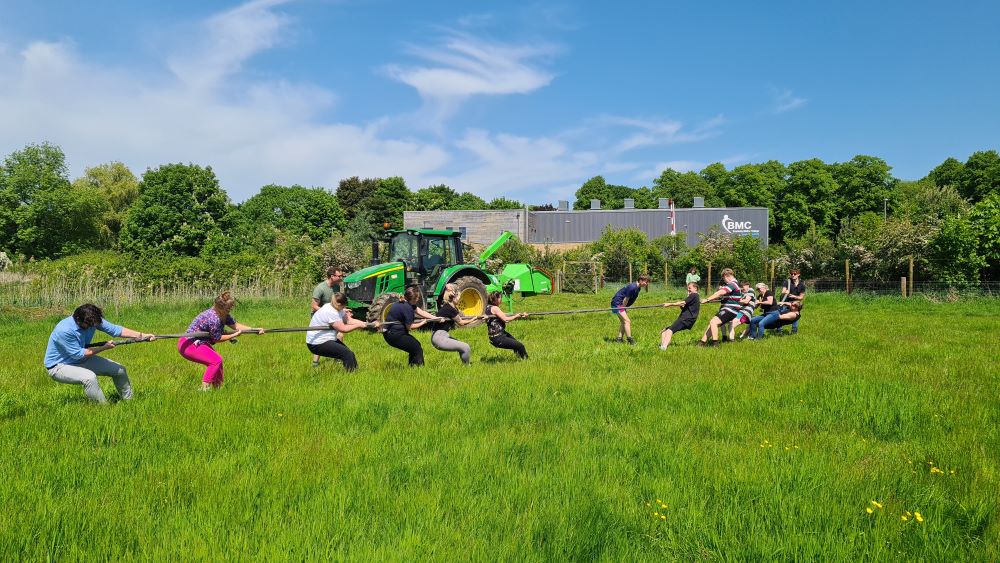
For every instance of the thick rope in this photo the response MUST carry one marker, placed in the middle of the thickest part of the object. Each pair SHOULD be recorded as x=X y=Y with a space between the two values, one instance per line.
x=371 y=325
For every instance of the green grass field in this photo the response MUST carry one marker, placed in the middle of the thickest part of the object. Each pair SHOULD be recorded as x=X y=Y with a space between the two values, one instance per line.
x=589 y=450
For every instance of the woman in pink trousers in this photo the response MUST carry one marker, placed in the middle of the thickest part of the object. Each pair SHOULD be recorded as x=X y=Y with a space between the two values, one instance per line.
x=200 y=350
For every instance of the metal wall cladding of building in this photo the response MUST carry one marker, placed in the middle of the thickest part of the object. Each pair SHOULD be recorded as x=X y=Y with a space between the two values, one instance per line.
x=586 y=226
x=480 y=227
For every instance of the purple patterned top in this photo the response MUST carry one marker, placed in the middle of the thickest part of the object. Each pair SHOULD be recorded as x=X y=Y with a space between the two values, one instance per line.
x=209 y=321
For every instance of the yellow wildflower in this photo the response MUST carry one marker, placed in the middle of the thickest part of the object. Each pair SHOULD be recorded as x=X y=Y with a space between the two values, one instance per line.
x=903 y=518
x=662 y=517
x=918 y=517
x=869 y=510
x=877 y=505
x=936 y=470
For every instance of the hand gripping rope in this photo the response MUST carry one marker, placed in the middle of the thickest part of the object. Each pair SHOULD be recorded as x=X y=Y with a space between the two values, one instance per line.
x=370 y=325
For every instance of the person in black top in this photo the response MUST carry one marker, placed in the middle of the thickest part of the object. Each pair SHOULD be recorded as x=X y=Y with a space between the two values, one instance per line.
x=690 y=308
x=399 y=321
x=450 y=315
x=768 y=304
x=793 y=290
x=496 y=326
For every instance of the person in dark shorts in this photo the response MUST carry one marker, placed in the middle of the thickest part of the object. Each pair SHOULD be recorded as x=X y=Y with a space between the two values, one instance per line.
x=399 y=322
x=690 y=308
x=626 y=297
x=496 y=326
x=730 y=295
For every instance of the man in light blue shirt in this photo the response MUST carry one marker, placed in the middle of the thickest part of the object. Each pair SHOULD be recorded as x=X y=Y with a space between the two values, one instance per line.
x=69 y=360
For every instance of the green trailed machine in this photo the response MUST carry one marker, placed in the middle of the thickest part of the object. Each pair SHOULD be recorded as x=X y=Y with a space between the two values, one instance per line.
x=428 y=259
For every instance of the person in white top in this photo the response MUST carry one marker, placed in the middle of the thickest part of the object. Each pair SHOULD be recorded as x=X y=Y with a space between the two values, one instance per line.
x=329 y=343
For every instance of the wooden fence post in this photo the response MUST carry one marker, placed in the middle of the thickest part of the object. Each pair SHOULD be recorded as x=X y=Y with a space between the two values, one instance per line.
x=902 y=285
x=600 y=273
x=847 y=274
x=630 y=272
x=911 y=276
x=709 y=282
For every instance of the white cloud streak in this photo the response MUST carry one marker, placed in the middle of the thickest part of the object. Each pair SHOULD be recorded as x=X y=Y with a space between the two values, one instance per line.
x=785 y=100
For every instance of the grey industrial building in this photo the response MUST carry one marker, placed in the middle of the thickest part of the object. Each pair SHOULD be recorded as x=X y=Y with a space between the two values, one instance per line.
x=566 y=226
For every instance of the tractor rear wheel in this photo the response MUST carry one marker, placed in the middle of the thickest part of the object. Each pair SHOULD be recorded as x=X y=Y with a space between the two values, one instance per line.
x=471 y=297
x=380 y=307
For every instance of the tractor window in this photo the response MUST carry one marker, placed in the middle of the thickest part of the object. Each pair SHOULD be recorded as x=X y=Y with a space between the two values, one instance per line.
x=403 y=248
x=440 y=251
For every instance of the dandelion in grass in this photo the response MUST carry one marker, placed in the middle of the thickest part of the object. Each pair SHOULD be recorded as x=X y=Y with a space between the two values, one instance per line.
x=869 y=510
x=935 y=470
x=951 y=472
x=903 y=518
x=877 y=504
x=918 y=517
x=662 y=517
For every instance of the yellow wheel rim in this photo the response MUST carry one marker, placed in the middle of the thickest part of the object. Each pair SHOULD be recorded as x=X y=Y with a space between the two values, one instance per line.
x=385 y=312
x=470 y=302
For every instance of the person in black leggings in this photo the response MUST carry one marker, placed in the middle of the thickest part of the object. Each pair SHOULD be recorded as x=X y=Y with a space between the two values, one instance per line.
x=399 y=321
x=496 y=326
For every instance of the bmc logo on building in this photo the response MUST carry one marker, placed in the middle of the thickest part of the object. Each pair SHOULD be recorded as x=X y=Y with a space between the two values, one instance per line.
x=735 y=227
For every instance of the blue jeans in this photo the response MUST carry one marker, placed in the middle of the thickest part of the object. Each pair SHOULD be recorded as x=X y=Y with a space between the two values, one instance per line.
x=760 y=323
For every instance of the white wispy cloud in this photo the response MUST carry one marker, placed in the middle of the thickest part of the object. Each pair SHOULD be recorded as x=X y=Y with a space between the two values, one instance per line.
x=785 y=100
x=462 y=66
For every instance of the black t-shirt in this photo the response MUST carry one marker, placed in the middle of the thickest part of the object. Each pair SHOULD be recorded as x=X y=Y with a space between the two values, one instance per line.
x=449 y=312
x=690 y=309
x=795 y=288
x=774 y=301
x=401 y=315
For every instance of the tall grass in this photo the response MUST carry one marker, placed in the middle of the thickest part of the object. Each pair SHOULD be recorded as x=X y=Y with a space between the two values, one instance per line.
x=588 y=450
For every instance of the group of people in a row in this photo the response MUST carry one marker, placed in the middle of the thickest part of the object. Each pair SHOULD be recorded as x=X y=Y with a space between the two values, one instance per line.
x=70 y=357
x=738 y=304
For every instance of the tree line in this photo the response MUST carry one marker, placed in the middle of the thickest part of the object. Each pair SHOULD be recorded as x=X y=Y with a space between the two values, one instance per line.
x=821 y=213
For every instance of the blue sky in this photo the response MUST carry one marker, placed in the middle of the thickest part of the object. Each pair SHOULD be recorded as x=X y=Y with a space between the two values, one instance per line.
x=522 y=99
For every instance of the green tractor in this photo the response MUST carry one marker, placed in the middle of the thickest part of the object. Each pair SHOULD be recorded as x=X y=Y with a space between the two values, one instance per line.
x=428 y=259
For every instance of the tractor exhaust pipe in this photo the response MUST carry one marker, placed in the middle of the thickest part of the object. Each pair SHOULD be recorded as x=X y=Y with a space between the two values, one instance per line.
x=375 y=261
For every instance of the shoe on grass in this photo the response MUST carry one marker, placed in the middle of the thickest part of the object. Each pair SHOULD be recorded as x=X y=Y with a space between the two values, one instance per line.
x=315 y=364
x=631 y=341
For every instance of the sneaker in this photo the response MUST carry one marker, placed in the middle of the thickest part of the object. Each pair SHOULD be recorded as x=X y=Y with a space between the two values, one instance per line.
x=315 y=364
x=663 y=348
x=619 y=340
x=702 y=343
x=631 y=341
x=713 y=343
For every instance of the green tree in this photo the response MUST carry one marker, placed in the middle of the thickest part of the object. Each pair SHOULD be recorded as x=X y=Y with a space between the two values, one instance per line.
x=716 y=175
x=313 y=212
x=683 y=188
x=754 y=185
x=433 y=198
x=985 y=221
x=954 y=253
x=809 y=199
x=43 y=215
x=499 y=203
x=924 y=203
x=119 y=188
x=948 y=173
x=178 y=206
x=980 y=176
x=467 y=200
x=594 y=188
x=387 y=204
x=353 y=192
x=865 y=182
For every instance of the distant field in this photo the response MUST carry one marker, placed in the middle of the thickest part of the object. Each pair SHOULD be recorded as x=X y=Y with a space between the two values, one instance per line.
x=589 y=450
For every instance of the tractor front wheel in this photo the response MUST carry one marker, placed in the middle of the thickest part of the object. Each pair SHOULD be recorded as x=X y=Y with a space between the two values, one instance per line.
x=380 y=307
x=471 y=297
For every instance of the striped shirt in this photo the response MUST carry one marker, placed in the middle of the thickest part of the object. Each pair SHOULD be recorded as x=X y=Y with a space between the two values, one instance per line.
x=751 y=305
x=731 y=301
